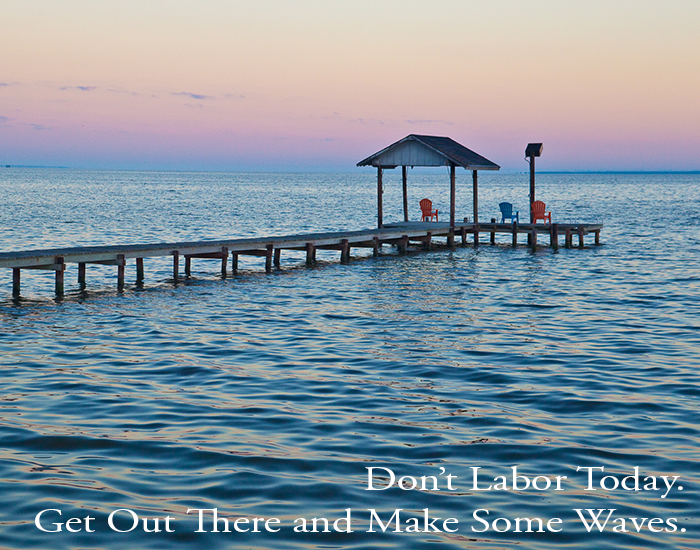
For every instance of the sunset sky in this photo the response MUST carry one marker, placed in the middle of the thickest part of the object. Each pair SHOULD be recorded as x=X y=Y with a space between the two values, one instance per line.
x=322 y=84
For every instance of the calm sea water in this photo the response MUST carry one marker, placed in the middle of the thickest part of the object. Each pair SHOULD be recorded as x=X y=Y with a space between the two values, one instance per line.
x=269 y=396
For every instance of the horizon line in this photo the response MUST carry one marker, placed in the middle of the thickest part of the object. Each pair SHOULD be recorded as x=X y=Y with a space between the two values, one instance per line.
x=354 y=170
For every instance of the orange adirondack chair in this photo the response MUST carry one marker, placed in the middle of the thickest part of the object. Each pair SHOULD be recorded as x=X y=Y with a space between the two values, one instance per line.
x=538 y=212
x=426 y=208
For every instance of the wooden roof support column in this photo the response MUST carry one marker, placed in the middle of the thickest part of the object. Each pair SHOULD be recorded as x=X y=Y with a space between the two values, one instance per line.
x=475 y=194
x=453 y=200
x=405 y=193
x=379 y=197
x=532 y=187
x=453 y=194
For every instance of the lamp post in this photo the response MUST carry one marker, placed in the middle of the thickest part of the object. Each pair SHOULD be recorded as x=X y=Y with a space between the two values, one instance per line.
x=531 y=151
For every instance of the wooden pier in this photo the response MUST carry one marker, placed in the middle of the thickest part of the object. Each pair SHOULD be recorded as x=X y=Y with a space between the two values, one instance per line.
x=400 y=235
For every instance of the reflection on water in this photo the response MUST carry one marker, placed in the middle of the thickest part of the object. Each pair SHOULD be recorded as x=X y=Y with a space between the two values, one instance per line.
x=268 y=395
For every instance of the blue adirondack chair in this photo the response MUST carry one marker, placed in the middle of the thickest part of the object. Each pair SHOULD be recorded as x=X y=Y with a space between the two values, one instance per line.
x=507 y=212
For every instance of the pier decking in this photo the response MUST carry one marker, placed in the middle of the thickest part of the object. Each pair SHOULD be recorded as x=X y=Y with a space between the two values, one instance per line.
x=400 y=235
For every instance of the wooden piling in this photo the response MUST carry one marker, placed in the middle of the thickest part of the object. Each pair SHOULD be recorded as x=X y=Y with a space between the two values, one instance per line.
x=567 y=237
x=59 y=266
x=224 y=259
x=404 y=244
x=533 y=238
x=375 y=249
x=493 y=236
x=554 y=235
x=580 y=236
x=277 y=257
x=597 y=237
x=310 y=254
x=139 y=270
x=268 y=258
x=188 y=265
x=15 y=281
x=344 y=251
x=81 y=274
x=514 y=229
x=121 y=264
x=428 y=241
x=476 y=234
x=451 y=239
x=464 y=235
x=176 y=264
x=234 y=263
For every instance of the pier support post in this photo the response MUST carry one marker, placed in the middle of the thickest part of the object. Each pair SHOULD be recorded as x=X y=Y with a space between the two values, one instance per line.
x=224 y=259
x=580 y=236
x=375 y=249
x=476 y=233
x=278 y=257
x=429 y=239
x=188 y=265
x=268 y=258
x=81 y=274
x=554 y=235
x=533 y=238
x=567 y=238
x=139 y=270
x=15 y=281
x=344 y=251
x=597 y=238
x=60 y=266
x=121 y=264
x=176 y=264
x=310 y=254
x=234 y=263
x=403 y=244
x=493 y=232
x=451 y=238
x=464 y=236
x=514 y=229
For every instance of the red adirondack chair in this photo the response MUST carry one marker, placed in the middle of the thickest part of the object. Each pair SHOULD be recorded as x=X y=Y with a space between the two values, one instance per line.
x=538 y=213
x=426 y=208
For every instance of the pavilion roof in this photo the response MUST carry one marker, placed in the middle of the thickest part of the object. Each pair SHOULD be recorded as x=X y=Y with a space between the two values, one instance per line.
x=418 y=150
